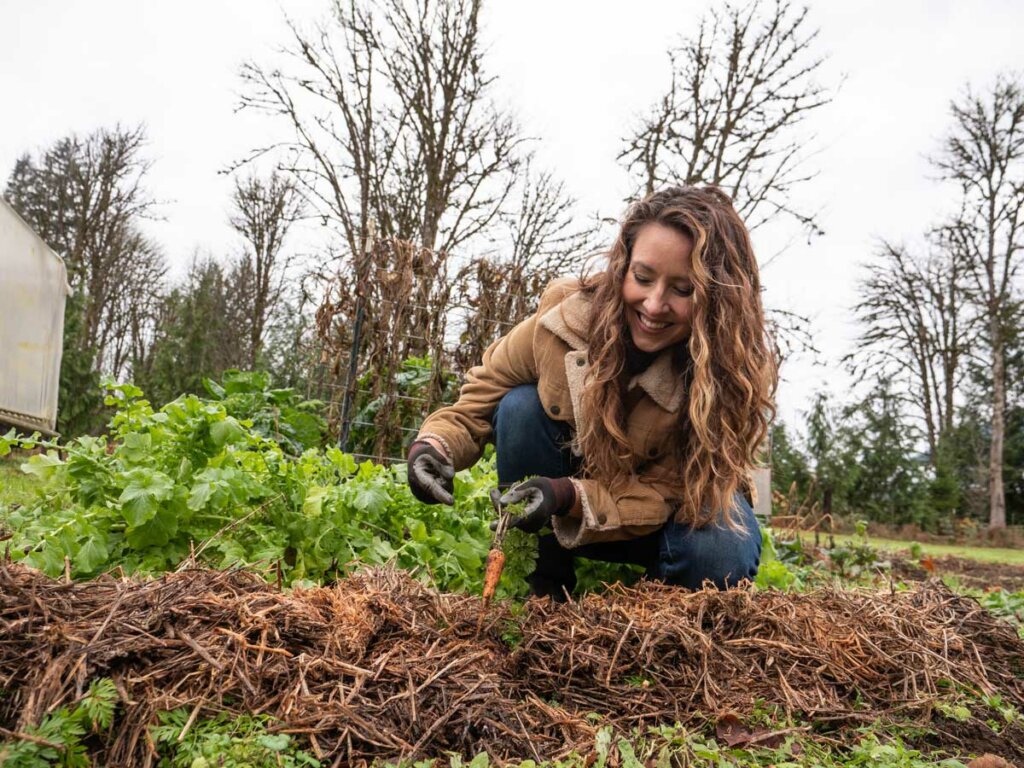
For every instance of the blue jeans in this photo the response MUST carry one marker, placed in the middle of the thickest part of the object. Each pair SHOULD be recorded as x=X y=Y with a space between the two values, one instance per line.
x=528 y=443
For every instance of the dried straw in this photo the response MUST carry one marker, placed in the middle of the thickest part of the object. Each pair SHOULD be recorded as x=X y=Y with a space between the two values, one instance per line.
x=380 y=666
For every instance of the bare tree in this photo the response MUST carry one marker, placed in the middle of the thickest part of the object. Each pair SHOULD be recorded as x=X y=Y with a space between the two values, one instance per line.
x=740 y=86
x=264 y=210
x=916 y=331
x=542 y=229
x=396 y=139
x=545 y=242
x=86 y=198
x=984 y=154
x=133 y=300
x=392 y=121
x=790 y=333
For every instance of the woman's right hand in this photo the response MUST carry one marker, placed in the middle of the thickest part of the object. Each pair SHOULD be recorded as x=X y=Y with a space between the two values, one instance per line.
x=430 y=473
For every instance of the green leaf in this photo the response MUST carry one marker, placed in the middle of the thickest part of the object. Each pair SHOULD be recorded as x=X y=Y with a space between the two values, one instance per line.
x=240 y=382
x=628 y=756
x=199 y=495
x=312 y=507
x=226 y=431
x=42 y=465
x=417 y=529
x=370 y=498
x=128 y=390
x=156 y=532
x=468 y=554
x=216 y=390
x=602 y=745
x=11 y=438
x=232 y=553
x=49 y=559
x=142 y=496
x=343 y=461
x=100 y=702
x=383 y=550
x=277 y=742
x=92 y=554
x=137 y=446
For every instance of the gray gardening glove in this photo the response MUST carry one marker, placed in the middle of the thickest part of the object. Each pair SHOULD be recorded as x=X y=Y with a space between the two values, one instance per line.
x=544 y=496
x=430 y=474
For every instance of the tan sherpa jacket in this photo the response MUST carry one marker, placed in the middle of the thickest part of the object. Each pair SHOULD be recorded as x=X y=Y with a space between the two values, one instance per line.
x=550 y=349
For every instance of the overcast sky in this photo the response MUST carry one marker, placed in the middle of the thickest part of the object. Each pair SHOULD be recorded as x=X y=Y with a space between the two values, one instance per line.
x=577 y=73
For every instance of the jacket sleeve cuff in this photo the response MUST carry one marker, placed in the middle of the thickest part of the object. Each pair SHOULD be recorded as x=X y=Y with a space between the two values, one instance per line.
x=444 y=443
x=572 y=531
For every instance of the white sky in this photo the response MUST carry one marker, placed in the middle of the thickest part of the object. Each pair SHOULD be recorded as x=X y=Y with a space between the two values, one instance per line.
x=577 y=73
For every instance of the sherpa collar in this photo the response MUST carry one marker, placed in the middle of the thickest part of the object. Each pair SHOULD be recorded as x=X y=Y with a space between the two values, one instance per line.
x=569 y=320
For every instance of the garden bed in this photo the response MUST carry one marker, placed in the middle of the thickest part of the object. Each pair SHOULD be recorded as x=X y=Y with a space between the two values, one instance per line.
x=971 y=574
x=379 y=666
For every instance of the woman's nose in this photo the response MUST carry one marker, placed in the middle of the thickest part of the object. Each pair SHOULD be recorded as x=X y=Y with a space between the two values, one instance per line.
x=654 y=304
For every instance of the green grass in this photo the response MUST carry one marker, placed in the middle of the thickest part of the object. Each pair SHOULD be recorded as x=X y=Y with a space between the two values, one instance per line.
x=981 y=554
x=16 y=487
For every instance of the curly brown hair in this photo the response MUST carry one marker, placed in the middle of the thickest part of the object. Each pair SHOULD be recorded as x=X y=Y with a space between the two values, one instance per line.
x=728 y=365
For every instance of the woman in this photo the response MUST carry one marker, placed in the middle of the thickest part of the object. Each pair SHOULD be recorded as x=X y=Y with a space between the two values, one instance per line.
x=635 y=401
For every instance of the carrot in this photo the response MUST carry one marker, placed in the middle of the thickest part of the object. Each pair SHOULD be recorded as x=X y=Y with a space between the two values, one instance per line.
x=492 y=571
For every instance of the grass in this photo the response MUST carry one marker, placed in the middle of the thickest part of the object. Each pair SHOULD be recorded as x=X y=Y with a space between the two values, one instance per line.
x=980 y=554
x=15 y=486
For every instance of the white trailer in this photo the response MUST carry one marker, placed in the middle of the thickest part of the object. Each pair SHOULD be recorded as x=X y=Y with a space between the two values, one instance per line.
x=33 y=289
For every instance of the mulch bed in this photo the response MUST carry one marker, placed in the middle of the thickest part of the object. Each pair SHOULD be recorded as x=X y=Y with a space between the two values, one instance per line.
x=379 y=666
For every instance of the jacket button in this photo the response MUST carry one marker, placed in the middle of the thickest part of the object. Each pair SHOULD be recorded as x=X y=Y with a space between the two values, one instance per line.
x=580 y=361
x=555 y=410
x=602 y=518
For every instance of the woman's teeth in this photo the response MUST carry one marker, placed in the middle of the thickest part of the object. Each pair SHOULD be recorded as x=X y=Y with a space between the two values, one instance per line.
x=650 y=325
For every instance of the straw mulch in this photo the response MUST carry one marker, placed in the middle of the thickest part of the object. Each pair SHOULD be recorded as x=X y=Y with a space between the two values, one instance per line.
x=380 y=666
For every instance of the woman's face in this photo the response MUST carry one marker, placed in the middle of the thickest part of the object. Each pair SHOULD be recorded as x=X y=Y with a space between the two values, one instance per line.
x=657 y=291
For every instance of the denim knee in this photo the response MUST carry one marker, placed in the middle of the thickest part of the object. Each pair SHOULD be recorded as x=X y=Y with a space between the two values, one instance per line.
x=528 y=442
x=519 y=404
x=689 y=556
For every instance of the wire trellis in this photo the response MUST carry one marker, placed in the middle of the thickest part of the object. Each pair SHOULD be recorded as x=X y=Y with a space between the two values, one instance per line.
x=399 y=329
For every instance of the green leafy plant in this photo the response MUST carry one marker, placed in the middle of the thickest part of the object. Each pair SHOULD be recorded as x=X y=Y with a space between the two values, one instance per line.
x=282 y=415
x=224 y=741
x=59 y=738
x=857 y=557
x=1009 y=605
x=191 y=479
x=397 y=410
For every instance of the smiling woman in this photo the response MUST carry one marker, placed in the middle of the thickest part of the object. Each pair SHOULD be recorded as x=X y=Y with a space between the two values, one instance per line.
x=635 y=400
x=657 y=290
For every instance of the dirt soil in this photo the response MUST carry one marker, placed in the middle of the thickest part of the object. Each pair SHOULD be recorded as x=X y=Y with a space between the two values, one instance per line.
x=971 y=573
x=976 y=738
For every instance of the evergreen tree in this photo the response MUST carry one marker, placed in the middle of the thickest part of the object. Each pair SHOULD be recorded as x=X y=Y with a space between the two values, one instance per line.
x=828 y=449
x=891 y=485
x=197 y=336
x=789 y=465
x=80 y=398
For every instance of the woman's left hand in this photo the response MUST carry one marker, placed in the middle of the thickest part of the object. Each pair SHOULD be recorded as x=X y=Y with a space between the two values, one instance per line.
x=544 y=496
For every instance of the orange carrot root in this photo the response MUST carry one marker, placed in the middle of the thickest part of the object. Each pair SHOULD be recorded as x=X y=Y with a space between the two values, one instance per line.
x=492 y=572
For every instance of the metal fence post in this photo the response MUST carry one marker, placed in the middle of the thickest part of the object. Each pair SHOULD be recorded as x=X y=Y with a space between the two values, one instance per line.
x=369 y=242
x=350 y=381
